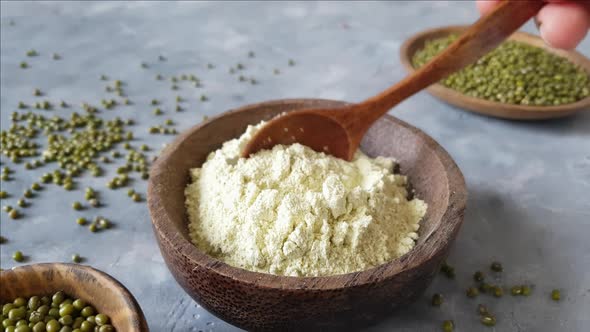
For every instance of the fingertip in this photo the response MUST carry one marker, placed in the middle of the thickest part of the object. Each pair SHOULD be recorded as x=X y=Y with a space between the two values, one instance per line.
x=563 y=25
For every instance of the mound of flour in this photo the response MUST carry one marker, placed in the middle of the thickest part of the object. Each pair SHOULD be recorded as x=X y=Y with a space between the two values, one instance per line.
x=293 y=211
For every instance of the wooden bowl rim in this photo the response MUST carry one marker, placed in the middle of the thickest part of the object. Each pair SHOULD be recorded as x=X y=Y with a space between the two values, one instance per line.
x=453 y=214
x=135 y=312
x=479 y=105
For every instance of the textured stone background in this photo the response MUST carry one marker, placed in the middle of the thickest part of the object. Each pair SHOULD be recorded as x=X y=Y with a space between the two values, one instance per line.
x=529 y=205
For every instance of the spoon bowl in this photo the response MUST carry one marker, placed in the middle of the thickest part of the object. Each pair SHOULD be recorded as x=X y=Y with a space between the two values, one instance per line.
x=309 y=128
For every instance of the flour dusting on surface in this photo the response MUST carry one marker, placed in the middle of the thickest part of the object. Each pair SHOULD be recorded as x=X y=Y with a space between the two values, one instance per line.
x=293 y=211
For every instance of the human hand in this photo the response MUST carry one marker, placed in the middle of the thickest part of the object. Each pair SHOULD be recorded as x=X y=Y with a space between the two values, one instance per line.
x=562 y=23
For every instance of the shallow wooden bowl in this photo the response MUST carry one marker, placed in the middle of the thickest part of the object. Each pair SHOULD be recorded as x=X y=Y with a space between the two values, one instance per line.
x=492 y=108
x=257 y=301
x=99 y=289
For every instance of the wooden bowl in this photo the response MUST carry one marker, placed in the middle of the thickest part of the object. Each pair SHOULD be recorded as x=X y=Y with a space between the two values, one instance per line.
x=99 y=289
x=492 y=108
x=258 y=301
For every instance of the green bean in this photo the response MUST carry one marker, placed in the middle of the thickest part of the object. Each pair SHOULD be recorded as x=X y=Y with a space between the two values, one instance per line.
x=472 y=292
x=58 y=298
x=101 y=319
x=66 y=310
x=497 y=291
x=496 y=267
x=136 y=197
x=14 y=214
x=18 y=256
x=447 y=270
x=437 y=300
x=19 y=302
x=53 y=326
x=102 y=223
x=482 y=310
x=87 y=311
x=478 y=276
x=488 y=320
x=516 y=290
x=448 y=326
x=106 y=328
x=66 y=320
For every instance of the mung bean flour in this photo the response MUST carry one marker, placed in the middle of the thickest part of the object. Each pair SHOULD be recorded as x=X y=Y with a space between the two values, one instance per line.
x=293 y=211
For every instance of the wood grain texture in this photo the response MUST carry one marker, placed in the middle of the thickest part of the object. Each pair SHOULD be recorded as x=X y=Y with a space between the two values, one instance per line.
x=491 y=108
x=99 y=289
x=340 y=131
x=258 y=301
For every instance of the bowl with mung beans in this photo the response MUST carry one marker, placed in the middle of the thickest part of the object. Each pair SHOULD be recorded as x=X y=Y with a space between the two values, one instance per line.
x=59 y=297
x=522 y=79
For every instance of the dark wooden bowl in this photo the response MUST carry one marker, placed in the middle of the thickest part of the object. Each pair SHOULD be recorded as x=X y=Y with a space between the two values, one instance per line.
x=258 y=301
x=492 y=108
x=105 y=293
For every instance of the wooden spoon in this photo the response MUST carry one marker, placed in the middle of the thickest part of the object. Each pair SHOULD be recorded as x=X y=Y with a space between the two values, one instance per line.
x=338 y=131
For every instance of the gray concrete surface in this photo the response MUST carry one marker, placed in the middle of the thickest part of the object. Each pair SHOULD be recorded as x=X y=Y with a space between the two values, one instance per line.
x=529 y=183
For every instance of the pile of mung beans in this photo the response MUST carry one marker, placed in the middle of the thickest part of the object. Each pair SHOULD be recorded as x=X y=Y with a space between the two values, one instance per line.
x=56 y=313
x=514 y=73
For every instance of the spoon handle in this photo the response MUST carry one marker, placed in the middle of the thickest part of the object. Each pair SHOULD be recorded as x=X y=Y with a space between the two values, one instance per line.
x=480 y=38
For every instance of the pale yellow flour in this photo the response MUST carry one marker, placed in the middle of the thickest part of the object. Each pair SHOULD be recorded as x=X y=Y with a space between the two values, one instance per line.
x=293 y=211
